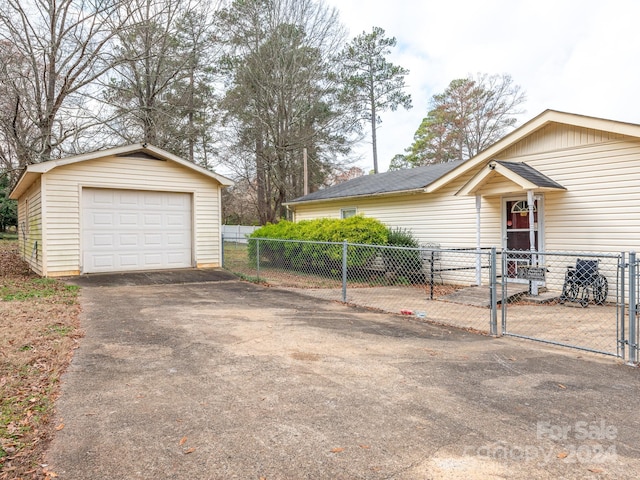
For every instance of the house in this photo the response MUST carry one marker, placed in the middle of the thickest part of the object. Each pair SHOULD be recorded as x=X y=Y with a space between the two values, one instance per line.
x=562 y=182
x=128 y=208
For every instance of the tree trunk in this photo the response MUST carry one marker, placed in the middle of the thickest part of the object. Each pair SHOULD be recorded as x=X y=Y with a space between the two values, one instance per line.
x=374 y=141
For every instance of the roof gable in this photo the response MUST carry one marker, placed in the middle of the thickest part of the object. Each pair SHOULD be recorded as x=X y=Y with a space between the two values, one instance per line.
x=531 y=135
x=144 y=151
x=518 y=173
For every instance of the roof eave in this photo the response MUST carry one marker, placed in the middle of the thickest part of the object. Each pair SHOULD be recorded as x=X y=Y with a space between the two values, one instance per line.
x=33 y=171
x=25 y=180
x=412 y=191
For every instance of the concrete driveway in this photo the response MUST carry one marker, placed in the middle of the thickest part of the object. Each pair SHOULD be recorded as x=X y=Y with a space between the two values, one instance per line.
x=223 y=379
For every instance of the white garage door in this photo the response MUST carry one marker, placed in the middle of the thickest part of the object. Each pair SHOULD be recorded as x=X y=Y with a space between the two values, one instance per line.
x=135 y=230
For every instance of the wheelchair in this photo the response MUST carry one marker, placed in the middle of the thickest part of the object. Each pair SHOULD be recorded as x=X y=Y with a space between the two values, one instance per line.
x=583 y=282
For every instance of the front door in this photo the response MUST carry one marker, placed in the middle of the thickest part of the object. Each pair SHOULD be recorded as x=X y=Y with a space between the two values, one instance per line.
x=517 y=233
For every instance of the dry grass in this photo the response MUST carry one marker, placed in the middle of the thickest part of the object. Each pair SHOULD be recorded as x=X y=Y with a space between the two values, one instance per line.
x=39 y=329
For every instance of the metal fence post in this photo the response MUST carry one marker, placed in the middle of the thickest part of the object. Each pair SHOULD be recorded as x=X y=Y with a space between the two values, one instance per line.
x=503 y=303
x=258 y=259
x=344 y=271
x=432 y=276
x=493 y=287
x=222 y=250
x=633 y=347
x=621 y=309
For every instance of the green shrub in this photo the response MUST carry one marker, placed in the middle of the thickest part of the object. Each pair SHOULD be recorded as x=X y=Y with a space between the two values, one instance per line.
x=311 y=256
x=399 y=259
x=402 y=237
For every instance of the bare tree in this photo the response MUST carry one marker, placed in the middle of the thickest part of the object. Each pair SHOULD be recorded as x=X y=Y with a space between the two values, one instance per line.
x=281 y=98
x=161 y=89
x=52 y=52
x=469 y=116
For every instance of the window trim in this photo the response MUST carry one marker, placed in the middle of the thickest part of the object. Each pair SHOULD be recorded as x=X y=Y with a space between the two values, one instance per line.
x=348 y=209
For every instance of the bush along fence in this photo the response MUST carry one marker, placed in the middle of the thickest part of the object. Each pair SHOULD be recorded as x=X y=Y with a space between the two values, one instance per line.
x=584 y=301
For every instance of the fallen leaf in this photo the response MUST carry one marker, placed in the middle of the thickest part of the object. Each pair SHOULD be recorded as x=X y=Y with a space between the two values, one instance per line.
x=60 y=427
x=562 y=455
x=337 y=450
x=366 y=447
x=183 y=440
x=595 y=470
x=190 y=450
x=561 y=386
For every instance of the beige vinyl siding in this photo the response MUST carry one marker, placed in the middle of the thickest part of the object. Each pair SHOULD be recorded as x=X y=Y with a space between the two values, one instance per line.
x=557 y=136
x=30 y=227
x=65 y=183
x=600 y=211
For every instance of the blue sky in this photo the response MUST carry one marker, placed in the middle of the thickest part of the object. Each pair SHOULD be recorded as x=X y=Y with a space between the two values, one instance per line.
x=578 y=56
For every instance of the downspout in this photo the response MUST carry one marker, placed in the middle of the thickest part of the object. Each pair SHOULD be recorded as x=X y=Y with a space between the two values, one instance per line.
x=478 y=244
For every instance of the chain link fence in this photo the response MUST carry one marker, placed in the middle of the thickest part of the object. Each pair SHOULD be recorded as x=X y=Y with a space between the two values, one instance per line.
x=427 y=282
x=569 y=299
x=579 y=300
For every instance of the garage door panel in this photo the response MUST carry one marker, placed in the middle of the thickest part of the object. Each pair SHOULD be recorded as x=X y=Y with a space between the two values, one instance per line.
x=102 y=218
x=128 y=240
x=127 y=199
x=102 y=240
x=175 y=239
x=153 y=240
x=177 y=202
x=175 y=220
x=128 y=219
x=103 y=261
x=103 y=197
x=152 y=220
x=135 y=230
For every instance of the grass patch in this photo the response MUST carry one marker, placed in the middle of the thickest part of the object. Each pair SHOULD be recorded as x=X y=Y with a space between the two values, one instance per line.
x=26 y=289
x=39 y=329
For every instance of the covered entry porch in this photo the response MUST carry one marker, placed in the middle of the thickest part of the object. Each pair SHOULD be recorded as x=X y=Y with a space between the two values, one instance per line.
x=510 y=201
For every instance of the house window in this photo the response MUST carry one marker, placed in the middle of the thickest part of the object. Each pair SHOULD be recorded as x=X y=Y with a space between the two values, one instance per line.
x=348 y=212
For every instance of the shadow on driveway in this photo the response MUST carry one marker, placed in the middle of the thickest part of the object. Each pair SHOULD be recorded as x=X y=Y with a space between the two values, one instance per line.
x=151 y=277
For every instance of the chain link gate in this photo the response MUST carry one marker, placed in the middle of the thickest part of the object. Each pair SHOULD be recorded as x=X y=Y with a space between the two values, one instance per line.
x=568 y=299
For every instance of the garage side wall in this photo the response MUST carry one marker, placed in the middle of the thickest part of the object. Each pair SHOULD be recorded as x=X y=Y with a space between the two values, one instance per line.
x=63 y=205
x=30 y=227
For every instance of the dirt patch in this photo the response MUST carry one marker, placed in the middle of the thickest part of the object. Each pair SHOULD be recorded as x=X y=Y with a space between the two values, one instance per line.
x=305 y=356
x=39 y=329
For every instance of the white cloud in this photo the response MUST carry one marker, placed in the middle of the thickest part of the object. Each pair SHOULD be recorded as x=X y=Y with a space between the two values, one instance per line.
x=579 y=56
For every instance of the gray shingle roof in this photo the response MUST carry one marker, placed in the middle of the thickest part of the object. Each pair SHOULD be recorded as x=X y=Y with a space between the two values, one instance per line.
x=531 y=174
x=388 y=182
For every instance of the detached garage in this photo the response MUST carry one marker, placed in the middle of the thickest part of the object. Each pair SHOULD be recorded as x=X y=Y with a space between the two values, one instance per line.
x=123 y=209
